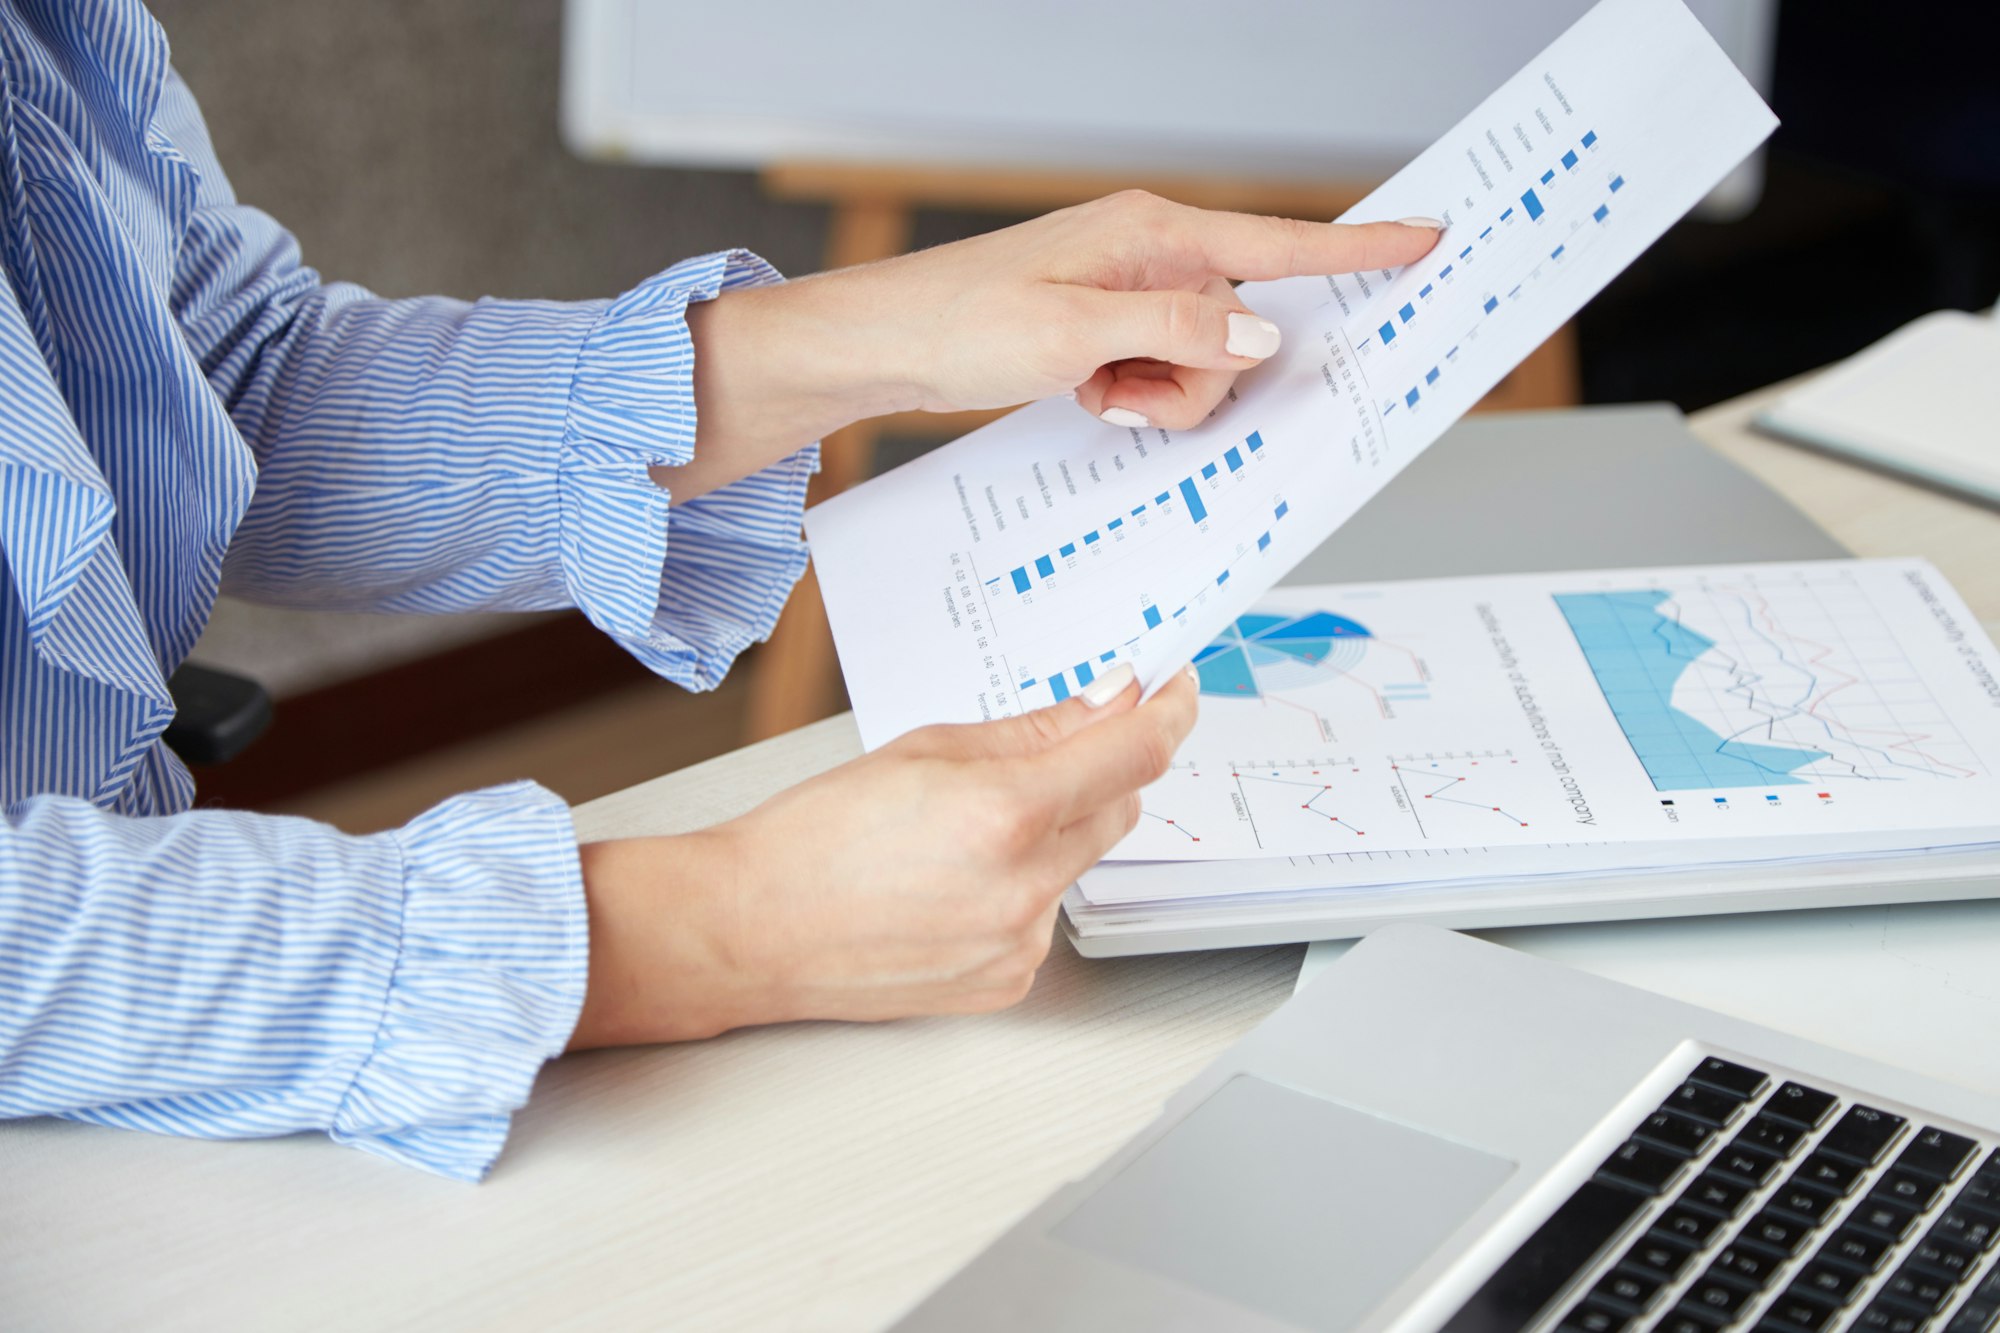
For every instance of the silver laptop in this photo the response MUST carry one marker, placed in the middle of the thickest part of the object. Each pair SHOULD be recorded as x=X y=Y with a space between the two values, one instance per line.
x=1444 y=1134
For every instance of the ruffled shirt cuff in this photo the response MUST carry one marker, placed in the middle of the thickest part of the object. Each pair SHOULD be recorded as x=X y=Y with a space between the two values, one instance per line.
x=487 y=984
x=684 y=594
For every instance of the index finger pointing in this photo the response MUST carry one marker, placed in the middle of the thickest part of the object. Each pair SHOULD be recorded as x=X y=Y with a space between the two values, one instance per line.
x=1120 y=754
x=1248 y=246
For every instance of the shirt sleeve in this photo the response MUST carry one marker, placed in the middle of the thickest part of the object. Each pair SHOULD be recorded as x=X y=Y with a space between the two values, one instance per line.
x=435 y=455
x=227 y=975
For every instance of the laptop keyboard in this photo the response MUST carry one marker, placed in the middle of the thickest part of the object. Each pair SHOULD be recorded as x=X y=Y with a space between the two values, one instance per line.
x=1772 y=1206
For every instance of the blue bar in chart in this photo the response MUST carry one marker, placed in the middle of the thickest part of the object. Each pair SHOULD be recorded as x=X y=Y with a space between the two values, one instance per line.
x=1234 y=458
x=1161 y=498
x=1589 y=138
x=1084 y=675
x=1425 y=290
x=1222 y=578
x=1411 y=398
x=1443 y=273
x=1106 y=657
x=1090 y=538
x=1115 y=524
x=1466 y=253
x=1492 y=304
x=1069 y=549
x=1617 y=183
x=1468 y=249
x=1058 y=687
x=1532 y=204
x=1547 y=176
x=1138 y=510
x=1388 y=332
x=1263 y=541
x=1197 y=511
x=1283 y=509
x=1152 y=617
x=1408 y=312
x=1603 y=211
x=1207 y=471
x=1557 y=253
x=1431 y=375
x=1021 y=579
x=1044 y=566
x=1255 y=441
x=1569 y=159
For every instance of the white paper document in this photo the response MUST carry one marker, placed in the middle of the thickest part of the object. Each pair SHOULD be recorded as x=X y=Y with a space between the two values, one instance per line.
x=1004 y=571
x=1544 y=723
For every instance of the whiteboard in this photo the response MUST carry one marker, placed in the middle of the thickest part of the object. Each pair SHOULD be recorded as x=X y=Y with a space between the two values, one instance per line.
x=1303 y=90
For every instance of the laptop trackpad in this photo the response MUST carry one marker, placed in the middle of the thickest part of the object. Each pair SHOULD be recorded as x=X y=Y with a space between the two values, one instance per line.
x=1302 y=1208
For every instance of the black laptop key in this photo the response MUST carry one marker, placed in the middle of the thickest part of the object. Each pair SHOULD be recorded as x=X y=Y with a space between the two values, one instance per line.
x=1775 y=1232
x=1946 y=1258
x=1803 y=1106
x=1981 y=1193
x=1808 y=1205
x=1687 y=1226
x=1746 y=1264
x=1739 y=1081
x=1704 y=1104
x=1644 y=1168
x=1905 y=1186
x=1769 y=1134
x=1858 y=1249
x=1674 y=1132
x=1755 y=1168
x=1796 y=1311
x=1862 y=1135
x=1989 y=1286
x=1967 y=1227
x=1887 y=1317
x=1663 y=1259
x=1718 y=1298
x=1569 y=1240
x=1912 y=1286
x=1884 y=1215
x=1836 y=1175
x=1591 y=1317
x=1975 y=1316
x=1683 y=1320
x=1938 y=1153
x=1717 y=1193
x=1828 y=1282
x=1627 y=1288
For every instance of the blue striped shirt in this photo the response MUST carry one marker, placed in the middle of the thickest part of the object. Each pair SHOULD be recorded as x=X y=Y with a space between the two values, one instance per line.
x=186 y=408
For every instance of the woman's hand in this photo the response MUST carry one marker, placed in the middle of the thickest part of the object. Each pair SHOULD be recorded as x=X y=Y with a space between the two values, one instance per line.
x=923 y=878
x=1124 y=301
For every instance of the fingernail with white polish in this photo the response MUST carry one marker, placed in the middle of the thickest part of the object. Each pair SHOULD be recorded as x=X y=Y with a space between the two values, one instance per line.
x=1251 y=336
x=1124 y=416
x=1071 y=395
x=1431 y=223
x=1108 y=686
x=1193 y=674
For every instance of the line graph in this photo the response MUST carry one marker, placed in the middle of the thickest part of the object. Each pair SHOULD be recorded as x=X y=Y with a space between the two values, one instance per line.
x=1764 y=684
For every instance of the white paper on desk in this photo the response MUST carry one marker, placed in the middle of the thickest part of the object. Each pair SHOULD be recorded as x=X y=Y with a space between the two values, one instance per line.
x=1000 y=572
x=1718 y=704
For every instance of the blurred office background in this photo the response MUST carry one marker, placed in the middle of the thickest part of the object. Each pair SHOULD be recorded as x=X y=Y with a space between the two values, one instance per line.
x=413 y=147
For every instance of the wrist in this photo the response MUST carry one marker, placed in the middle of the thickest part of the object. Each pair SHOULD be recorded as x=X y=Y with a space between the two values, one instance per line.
x=668 y=960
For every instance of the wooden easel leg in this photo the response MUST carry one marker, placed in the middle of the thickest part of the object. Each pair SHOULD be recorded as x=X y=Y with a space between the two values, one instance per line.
x=796 y=671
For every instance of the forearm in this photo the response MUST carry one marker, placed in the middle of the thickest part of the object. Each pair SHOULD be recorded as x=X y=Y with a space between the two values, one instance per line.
x=780 y=366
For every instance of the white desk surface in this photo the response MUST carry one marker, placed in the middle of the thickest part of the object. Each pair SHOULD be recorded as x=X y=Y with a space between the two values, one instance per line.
x=821 y=1176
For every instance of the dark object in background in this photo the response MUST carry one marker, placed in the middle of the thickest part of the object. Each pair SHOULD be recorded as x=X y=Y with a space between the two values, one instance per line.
x=1882 y=203
x=217 y=714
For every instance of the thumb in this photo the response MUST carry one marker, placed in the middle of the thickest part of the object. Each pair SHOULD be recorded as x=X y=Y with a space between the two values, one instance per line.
x=1108 y=695
x=1184 y=328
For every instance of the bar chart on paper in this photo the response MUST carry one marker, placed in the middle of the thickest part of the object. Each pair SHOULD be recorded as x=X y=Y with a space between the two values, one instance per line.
x=1041 y=551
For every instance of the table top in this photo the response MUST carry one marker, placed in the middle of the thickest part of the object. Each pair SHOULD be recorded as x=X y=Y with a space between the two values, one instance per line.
x=827 y=1176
